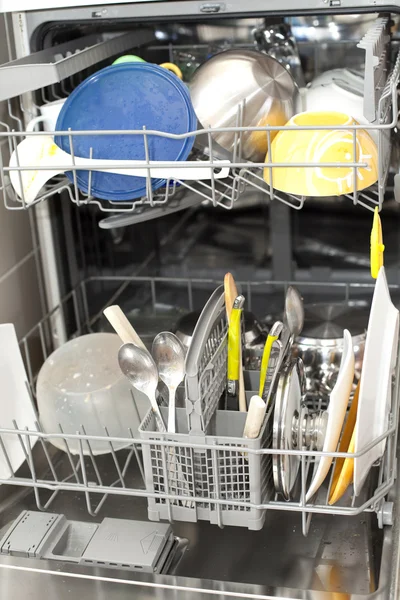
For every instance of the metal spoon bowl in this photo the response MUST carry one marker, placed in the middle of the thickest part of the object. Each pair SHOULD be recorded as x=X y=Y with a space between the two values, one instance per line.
x=294 y=311
x=139 y=367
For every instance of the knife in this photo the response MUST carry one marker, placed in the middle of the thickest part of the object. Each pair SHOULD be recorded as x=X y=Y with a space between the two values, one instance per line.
x=270 y=347
x=231 y=294
x=234 y=353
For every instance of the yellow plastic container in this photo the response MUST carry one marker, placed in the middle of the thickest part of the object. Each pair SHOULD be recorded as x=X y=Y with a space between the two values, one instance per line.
x=321 y=146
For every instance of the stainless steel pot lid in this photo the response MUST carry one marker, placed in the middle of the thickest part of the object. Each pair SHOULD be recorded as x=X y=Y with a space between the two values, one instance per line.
x=327 y=321
x=288 y=401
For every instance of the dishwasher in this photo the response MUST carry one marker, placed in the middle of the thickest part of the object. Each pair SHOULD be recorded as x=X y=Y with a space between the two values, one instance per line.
x=204 y=512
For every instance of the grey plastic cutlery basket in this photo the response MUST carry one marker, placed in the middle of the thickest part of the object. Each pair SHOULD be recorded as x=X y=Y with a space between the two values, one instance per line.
x=222 y=484
x=219 y=481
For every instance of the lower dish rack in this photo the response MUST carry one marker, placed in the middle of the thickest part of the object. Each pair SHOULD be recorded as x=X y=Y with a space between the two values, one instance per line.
x=216 y=475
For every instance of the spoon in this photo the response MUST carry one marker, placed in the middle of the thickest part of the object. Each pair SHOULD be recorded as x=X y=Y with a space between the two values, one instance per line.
x=281 y=344
x=293 y=320
x=139 y=367
x=169 y=355
x=41 y=151
x=294 y=311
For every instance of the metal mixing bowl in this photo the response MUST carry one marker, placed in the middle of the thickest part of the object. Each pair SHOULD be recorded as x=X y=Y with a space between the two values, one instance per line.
x=243 y=81
x=320 y=345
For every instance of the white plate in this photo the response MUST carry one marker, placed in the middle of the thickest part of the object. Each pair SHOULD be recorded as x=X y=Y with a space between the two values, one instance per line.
x=15 y=401
x=348 y=79
x=337 y=407
x=376 y=377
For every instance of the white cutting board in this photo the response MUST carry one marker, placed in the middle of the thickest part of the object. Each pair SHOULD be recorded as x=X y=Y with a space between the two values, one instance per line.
x=375 y=397
x=15 y=401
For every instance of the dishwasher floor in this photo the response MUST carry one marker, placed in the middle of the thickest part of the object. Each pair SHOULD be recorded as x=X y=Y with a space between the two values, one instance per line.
x=340 y=555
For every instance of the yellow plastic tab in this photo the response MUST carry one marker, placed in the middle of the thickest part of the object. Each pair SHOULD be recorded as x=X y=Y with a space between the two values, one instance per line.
x=234 y=344
x=174 y=68
x=377 y=246
x=265 y=360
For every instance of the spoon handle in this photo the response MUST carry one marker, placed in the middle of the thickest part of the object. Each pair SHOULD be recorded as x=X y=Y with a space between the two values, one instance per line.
x=156 y=409
x=122 y=326
x=171 y=410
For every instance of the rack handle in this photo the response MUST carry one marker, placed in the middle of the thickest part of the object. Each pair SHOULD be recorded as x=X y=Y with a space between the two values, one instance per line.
x=119 y=321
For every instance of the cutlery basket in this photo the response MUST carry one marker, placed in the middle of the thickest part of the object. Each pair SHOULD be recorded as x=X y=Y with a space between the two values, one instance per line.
x=221 y=481
x=210 y=466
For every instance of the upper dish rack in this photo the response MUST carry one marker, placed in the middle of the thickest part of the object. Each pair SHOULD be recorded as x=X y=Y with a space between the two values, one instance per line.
x=380 y=103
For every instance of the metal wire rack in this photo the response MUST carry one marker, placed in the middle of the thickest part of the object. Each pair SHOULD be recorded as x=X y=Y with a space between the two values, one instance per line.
x=223 y=193
x=81 y=472
x=219 y=192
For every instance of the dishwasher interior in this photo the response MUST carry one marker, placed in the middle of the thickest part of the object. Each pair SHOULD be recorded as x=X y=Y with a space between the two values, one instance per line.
x=160 y=258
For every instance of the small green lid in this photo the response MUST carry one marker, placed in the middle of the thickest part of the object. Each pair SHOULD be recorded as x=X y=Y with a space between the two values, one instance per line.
x=128 y=58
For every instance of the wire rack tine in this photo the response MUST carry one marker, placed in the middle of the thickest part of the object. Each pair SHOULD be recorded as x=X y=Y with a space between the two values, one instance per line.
x=46 y=453
x=303 y=482
x=355 y=169
x=13 y=116
x=20 y=181
x=149 y=186
x=55 y=93
x=127 y=462
x=85 y=479
x=7 y=458
x=90 y=175
x=68 y=451
x=138 y=459
x=31 y=464
x=116 y=463
x=74 y=174
x=271 y=176
x=210 y=145
x=92 y=458
x=236 y=134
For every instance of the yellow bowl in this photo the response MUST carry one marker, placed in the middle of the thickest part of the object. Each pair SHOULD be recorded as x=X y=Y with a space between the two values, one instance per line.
x=321 y=146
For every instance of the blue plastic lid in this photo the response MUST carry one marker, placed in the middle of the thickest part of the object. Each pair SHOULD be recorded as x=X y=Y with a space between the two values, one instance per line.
x=127 y=96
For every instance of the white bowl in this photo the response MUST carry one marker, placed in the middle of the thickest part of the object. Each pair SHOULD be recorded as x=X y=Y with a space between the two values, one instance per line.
x=81 y=384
